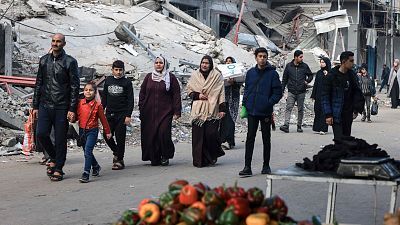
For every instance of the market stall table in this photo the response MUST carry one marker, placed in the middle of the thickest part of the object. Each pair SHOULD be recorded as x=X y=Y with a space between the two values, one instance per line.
x=297 y=174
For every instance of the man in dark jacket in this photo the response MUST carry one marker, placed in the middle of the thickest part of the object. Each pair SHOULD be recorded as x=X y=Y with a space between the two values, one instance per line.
x=341 y=96
x=367 y=86
x=385 y=78
x=118 y=102
x=262 y=91
x=296 y=76
x=54 y=102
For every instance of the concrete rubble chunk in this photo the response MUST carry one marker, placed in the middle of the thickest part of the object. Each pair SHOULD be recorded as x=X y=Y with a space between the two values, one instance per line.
x=9 y=142
x=121 y=34
x=38 y=10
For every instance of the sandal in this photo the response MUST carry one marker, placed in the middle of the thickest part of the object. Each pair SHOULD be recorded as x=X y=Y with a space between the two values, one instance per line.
x=44 y=161
x=57 y=177
x=118 y=165
x=50 y=169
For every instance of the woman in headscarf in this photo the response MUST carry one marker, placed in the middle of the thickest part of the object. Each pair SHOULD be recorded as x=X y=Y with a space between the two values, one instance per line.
x=394 y=84
x=206 y=89
x=232 y=98
x=319 y=124
x=159 y=104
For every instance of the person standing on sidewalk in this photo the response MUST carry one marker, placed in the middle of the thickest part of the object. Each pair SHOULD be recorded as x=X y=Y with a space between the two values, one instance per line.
x=367 y=86
x=341 y=96
x=262 y=91
x=54 y=103
x=385 y=78
x=118 y=103
x=296 y=76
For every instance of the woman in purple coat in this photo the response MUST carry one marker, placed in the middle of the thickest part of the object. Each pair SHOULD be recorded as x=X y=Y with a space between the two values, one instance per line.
x=159 y=104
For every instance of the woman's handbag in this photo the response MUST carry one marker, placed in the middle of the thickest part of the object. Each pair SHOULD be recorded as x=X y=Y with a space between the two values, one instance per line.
x=243 y=112
x=374 y=108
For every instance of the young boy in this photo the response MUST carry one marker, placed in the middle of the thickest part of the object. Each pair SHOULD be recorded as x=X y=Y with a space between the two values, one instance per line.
x=118 y=103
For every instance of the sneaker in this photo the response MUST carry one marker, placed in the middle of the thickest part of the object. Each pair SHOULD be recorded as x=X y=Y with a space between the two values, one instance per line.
x=266 y=170
x=369 y=120
x=363 y=119
x=96 y=171
x=164 y=162
x=299 y=129
x=284 y=128
x=84 y=178
x=246 y=172
x=322 y=133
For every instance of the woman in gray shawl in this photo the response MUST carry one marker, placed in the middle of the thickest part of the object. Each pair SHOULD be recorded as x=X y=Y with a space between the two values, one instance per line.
x=394 y=84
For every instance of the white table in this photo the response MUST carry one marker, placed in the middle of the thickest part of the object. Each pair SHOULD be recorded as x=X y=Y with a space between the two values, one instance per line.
x=298 y=174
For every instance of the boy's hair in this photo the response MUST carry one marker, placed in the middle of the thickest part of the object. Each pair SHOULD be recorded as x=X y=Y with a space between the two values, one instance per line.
x=297 y=53
x=345 y=56
x=93 y=84
x=259 y=50
x=118 y=64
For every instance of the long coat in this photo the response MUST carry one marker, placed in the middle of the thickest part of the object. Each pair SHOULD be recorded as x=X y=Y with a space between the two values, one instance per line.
x=157 y=106
x=393 y=75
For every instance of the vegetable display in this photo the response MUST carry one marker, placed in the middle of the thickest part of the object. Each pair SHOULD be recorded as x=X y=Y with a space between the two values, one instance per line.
x=198 y=204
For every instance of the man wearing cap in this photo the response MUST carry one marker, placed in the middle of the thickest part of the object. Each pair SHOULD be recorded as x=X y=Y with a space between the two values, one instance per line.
x=118 y=103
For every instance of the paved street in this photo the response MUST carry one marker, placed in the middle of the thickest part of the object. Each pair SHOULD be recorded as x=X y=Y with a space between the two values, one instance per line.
x=28 y=196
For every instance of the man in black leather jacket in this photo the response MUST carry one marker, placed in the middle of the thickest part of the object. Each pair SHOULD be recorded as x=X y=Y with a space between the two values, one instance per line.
x=55 y=101
x=296 y=76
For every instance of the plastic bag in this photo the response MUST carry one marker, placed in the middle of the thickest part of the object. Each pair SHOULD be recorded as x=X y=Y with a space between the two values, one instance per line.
x=243 y=112
x=374 y=108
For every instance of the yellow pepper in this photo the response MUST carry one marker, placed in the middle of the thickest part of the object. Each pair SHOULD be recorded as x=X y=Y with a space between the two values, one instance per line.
x=150 y=213
x=257 y=219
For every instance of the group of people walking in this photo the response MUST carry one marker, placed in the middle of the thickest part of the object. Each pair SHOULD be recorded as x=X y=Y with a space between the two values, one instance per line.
x=338 y=94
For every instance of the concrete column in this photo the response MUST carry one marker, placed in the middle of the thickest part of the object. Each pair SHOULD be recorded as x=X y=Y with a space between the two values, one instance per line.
x=8 y=50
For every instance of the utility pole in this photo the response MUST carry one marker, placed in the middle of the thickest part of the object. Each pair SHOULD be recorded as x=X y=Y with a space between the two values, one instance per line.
x=235 y=40
x=392 y=30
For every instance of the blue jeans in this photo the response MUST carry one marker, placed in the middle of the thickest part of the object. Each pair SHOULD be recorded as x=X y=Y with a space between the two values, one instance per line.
x=47 y=119
x=91 y=138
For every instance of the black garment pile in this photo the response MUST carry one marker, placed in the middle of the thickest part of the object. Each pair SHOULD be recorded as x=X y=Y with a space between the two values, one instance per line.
x=328 y=159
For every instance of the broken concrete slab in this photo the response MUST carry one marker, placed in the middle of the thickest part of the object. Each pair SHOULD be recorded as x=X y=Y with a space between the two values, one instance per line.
x=7 y=121
x=186 y=17
x=38 y=10
x=121 y=34
x=9 y=142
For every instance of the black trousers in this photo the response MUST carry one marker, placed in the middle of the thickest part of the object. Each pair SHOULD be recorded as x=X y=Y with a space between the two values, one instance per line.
x=118 y=129
x=343 y=129
x=227 y=130
x=47 y=119
x=253 y=122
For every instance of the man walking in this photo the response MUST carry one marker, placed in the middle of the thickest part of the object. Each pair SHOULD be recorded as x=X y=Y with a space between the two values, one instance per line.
x=342 y=97
x=54 y=102
x=367 y=86
x=296 y=76
x=262 y=91
x=118 y=103
x=385 y=78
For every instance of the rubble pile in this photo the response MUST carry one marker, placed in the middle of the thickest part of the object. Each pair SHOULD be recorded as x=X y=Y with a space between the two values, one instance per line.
x=15 y=106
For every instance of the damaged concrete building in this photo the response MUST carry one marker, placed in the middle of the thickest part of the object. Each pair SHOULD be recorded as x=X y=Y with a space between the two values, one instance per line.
x=289 y=24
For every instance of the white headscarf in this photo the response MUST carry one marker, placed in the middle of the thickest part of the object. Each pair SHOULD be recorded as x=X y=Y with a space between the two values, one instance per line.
x=164 y=75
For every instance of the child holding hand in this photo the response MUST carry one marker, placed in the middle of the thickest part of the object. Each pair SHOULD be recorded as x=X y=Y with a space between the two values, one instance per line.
x=89 y=112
